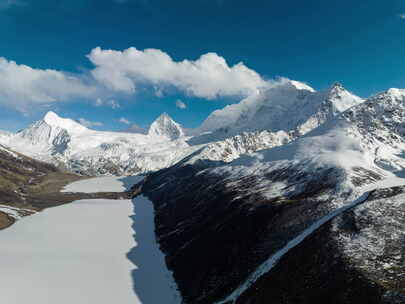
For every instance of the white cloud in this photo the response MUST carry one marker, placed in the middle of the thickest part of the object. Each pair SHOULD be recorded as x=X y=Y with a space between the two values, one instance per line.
x=123 y=72
x=124 y=121
x=180 y=104
x=208 y=77
x=89 y=124
x=113 y=104
x=402 y=16
x=22 y=86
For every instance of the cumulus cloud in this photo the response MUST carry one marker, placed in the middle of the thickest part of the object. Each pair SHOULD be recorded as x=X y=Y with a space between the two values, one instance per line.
x=124 y=121
x=180 y=104
x=208 y=77
x=124 y=72
x=21 y=86
x=90 y=124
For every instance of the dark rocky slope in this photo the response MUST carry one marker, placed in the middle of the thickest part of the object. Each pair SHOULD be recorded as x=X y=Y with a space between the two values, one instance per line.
x=356 y=258
x=215 y=233
x=217 y=223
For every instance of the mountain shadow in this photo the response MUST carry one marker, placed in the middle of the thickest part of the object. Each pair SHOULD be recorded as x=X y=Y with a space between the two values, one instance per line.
x=152 y=281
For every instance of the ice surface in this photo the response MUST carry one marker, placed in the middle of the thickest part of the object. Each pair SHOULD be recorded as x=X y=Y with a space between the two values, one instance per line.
x=84 y=253
x=103 y=184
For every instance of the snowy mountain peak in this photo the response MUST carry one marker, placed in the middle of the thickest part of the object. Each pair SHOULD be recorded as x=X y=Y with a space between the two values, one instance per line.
x=165 y=126
x=288 y=106
x=340 y=98
x=337 y=86
x=54 y=120
x=51 y=117
x=396 y=93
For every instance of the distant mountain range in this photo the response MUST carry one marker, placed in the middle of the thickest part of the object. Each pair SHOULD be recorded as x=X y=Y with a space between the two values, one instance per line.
x=269 y=118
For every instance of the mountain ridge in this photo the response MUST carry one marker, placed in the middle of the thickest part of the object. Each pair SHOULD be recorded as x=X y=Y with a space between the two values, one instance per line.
x=255 y=205
x=85 y=151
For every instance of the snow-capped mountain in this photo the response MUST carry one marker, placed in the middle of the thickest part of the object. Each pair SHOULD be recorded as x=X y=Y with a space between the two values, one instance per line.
x=367 y=139
x=288 y=106
x=267 y=119
x=67 y=143
x=277 y=214
x=165 y=126
x=50 y=135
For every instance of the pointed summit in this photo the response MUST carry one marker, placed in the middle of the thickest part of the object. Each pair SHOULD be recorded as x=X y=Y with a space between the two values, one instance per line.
x=165 y=126
x=337 y=85
x=51 y=117
x=54 y=120
x=340 y=98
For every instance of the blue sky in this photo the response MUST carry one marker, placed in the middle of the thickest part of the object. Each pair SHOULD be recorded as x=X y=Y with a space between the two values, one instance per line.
x=358 y=43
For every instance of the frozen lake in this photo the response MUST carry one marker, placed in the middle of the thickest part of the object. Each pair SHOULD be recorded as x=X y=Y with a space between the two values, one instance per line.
x=89 y=251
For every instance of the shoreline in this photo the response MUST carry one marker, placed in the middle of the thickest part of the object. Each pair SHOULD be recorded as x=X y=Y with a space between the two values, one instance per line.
x=46 y=192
